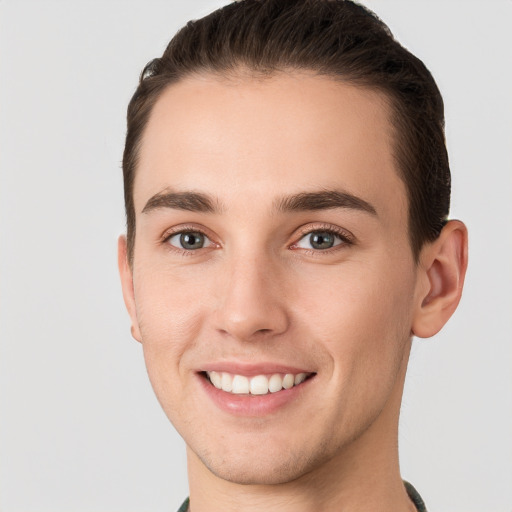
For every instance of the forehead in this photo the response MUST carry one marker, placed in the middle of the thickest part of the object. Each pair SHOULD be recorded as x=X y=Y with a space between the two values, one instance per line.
x=265 y=136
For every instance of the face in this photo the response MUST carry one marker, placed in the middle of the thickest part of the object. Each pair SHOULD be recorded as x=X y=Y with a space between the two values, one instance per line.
x=273 y=285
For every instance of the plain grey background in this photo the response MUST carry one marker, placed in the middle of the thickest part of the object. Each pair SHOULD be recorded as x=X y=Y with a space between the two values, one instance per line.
x=80 y=429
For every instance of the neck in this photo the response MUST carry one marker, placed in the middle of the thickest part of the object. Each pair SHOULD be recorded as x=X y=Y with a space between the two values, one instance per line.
x=363 y=476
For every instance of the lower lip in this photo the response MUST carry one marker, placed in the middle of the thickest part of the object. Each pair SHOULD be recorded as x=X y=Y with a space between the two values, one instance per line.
x=253 y=405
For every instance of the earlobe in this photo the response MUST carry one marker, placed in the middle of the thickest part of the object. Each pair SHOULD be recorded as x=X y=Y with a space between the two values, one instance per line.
x=443 y=264
x=125 y=272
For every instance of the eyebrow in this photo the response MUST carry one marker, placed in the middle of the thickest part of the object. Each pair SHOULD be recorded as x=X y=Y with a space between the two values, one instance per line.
x=323 y=200
x=303 y=201
x=189 y=201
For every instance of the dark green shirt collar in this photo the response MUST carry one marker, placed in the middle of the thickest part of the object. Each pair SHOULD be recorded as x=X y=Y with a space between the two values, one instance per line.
x=411 y=491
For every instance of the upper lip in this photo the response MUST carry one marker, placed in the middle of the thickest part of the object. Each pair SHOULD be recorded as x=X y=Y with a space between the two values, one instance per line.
x=252 y=369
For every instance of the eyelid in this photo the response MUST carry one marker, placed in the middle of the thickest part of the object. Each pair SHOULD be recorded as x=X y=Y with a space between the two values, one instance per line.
x=186 y=228
x=208 y=242
x=346 y=236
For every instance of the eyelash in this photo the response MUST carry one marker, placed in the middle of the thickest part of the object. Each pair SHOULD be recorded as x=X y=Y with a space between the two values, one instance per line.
x=181 y=231
x=347 y=239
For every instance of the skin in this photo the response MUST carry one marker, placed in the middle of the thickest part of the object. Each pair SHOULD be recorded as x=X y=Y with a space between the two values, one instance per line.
x=259 y=291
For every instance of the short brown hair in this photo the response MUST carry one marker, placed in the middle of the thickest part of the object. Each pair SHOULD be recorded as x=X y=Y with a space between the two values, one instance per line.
x=335 y=38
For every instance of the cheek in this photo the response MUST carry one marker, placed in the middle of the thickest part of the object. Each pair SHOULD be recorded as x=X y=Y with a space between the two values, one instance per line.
x=362 y=315
x=168 y=305
x=170 y=313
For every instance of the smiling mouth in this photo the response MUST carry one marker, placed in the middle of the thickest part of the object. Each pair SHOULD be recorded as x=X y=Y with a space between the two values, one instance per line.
x=256 y=385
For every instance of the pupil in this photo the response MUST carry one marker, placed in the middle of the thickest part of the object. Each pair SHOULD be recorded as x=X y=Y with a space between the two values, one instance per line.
x=321 y=240
x=192 y=240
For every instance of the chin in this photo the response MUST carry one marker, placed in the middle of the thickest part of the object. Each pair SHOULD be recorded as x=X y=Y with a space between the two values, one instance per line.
x=251 y=472
x=262 y=465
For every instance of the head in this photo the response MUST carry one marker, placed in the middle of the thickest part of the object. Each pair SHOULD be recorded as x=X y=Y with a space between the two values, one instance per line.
x=286 y=186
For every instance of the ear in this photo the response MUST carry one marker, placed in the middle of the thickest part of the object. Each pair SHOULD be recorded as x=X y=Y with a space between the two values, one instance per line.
x=442 y=266
x=126 y=274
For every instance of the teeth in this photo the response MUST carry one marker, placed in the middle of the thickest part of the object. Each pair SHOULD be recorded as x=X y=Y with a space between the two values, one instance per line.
x=226 y=382
x=288 y=381
x=240 y=385
x=216 y=379
x=258 y=385
x=275 y=383
x=300 y=377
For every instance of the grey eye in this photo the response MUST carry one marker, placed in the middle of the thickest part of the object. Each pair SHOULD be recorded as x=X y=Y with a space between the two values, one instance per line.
x=189 y=240
x=319 y=240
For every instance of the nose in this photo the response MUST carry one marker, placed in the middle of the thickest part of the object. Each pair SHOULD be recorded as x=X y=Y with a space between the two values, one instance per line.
x=252 y=302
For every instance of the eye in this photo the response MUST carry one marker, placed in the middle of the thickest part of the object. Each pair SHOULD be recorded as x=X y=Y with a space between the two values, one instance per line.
x=320 y=240
x=189 y=240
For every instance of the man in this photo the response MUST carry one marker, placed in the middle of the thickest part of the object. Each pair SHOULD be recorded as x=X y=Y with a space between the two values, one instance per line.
x=287 y=191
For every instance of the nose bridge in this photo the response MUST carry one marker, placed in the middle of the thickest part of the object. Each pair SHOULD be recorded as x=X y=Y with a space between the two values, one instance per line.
x=251 y=296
